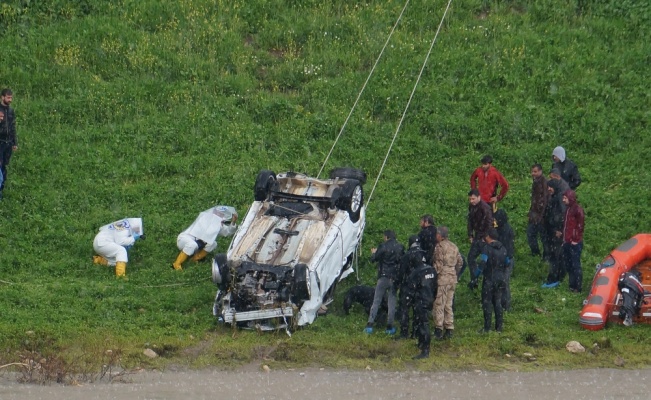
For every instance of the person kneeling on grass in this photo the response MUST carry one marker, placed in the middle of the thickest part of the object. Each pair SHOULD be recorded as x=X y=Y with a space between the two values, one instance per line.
x=113 y=241
x=201 y=237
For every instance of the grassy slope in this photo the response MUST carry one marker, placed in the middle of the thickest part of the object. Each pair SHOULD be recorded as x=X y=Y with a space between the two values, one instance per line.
x=160 y=109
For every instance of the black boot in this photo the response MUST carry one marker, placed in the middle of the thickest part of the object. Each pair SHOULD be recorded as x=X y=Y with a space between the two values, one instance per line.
x=448 y=334
x=423 y=354
x=438 y=334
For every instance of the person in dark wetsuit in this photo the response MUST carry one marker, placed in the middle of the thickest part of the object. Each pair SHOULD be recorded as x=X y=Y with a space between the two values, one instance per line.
x=421 y=287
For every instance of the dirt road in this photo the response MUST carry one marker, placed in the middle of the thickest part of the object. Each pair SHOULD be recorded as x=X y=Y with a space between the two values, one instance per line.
x=338 y=384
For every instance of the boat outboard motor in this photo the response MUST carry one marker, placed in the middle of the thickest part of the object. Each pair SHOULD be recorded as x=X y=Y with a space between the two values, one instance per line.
x=632 y=294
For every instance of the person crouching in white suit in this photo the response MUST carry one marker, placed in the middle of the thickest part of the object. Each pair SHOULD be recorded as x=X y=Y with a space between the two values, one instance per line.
x=201 y=237
x=113 y=241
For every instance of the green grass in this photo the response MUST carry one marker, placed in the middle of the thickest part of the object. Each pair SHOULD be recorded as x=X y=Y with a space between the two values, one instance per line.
x=160 y=109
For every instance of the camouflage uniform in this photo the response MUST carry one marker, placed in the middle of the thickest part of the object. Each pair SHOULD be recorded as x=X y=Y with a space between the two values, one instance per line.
x=448 y=263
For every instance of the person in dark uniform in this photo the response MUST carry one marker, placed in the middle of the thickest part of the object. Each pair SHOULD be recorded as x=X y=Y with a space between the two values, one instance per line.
x=427 y=237
x=421 y=287
x=406 y=268
x=507 y=238
x=387 y=255
x=493 y=268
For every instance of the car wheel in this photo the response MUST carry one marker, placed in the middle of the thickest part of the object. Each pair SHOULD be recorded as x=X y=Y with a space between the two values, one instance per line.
x=263 y=185
x=349 y=173
x=351 y=199
x=300 y=289
x=220 y=272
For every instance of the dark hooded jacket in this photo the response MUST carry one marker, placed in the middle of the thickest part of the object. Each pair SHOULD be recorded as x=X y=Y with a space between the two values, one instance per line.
x=555 y=211
x=574 y=219
x=505 y=232
x=569 y=172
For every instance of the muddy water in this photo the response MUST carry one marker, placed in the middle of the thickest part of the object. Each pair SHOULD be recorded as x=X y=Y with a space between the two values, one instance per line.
x=338 y=384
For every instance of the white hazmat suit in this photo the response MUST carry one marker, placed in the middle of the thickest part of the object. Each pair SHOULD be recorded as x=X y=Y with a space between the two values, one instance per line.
x=201 y=237
x=113 y=241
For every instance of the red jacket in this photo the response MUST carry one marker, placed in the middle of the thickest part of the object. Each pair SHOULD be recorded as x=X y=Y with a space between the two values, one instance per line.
x=488 y=183
x=574 y=218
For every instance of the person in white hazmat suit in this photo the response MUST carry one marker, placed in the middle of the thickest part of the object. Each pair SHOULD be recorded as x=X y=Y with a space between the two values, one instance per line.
x=113 y=241
x=201 y=237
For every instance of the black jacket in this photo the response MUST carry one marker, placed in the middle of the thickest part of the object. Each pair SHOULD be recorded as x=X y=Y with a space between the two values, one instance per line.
x=494 y=268
x=427 y=240
x=569 y=172
x=505 y=232
x=8 y=126
x=410 y=260
x=388 y=257
x=555 y=211
x=422 y=287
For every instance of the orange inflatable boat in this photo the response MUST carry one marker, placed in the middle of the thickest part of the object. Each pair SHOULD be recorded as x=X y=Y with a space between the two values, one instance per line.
x=604 y=298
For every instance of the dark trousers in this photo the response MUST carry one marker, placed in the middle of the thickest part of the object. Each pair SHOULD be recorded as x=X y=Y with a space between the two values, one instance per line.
x=506 y=293
x=403 y=311
x=491 y=300
x=573 y=263
x=421 y=318
x=6 y=150
x=557 y=264
x=474 y=252
x=535 y=231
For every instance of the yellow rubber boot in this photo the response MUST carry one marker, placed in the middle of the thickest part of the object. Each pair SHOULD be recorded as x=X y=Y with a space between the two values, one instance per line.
x=120 y=269
x=180 y=259
x=200 y=255
x=100 y=260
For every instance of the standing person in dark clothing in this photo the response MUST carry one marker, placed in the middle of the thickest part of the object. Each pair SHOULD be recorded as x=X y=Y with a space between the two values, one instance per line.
x=493 y=267
x=506 y=236
x=480 y=220
x=573 y=240
x=388 y=256
x=539 y=198
x=8 y=139
x=555 y=175
x=487 y=179
x=427 y=237
x=554 y=220
x=421 y=287
x=568 y=169
x=406 y=268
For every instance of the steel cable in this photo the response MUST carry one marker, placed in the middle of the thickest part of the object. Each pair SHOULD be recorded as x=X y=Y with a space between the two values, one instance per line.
x=411 y=96
x=341 y=131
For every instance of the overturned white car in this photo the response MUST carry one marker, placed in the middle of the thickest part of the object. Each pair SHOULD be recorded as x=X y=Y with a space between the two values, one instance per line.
x=296 y=242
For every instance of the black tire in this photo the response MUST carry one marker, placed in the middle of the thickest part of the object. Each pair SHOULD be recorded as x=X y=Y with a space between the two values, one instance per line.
x=220 y=271
x=352 y=199
x=263 y=185
x=349 y=173
x=300 y=289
